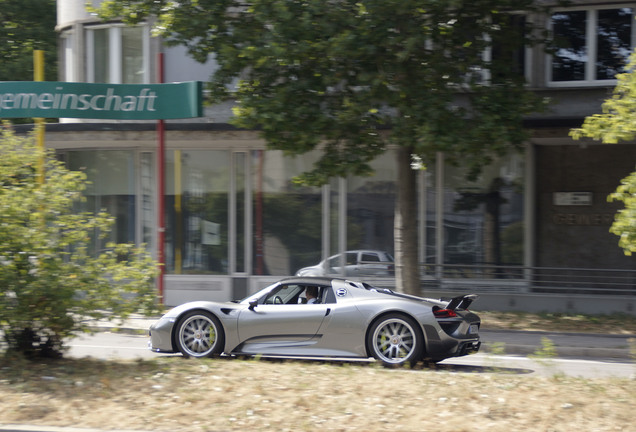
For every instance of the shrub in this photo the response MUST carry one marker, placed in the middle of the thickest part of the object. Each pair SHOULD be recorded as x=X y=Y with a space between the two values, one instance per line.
x=52 y=282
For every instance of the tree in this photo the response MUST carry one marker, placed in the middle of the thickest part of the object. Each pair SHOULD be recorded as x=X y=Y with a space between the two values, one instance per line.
x=618 y=123
x=51 y=283
x=27 y=25
x=355 y=78
x=624 y=224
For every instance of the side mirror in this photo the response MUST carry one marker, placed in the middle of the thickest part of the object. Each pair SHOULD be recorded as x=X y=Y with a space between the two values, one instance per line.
x=253 y=304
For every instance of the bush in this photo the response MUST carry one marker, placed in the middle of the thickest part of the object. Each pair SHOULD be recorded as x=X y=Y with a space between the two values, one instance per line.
x=52 y=282
x=624 y=225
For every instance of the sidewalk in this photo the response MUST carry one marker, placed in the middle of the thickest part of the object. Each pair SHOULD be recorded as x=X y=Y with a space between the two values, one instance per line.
x=511 y=342
x=572 y=345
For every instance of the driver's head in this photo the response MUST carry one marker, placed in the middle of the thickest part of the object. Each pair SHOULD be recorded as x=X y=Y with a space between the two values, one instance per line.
x=311 y=292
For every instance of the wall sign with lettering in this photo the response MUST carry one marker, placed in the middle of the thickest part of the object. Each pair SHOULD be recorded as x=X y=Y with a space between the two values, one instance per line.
x=48 y=99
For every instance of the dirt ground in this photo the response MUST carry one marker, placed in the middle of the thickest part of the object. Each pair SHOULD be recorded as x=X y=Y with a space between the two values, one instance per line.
x=175 y=394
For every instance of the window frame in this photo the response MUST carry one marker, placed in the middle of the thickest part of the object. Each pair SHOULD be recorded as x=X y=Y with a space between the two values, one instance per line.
x=115 y=59
x=591 y=44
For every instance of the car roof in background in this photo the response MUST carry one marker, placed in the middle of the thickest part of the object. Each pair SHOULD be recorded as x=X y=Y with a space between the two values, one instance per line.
x=373 y=251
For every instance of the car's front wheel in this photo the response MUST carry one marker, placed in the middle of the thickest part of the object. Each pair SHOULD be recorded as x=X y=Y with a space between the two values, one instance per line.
x=199 y=334
x=395 y=340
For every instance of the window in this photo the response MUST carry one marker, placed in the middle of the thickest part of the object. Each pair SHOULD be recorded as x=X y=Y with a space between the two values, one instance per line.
x=67 y=41
x=118 y=55
x=112 y=187
x=285 y=294
x=371 y=206
x=591 y=46
x=369 y=257
x=287 y=217
x=197 y=195
x=509 y=56
x=483 y=219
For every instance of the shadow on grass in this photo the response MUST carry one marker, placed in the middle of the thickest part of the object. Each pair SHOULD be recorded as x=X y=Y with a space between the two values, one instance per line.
x=481 y=369
x=69 y=375
x=422 y=367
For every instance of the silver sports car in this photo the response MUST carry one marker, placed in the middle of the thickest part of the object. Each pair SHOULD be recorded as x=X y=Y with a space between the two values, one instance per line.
x=323 y=317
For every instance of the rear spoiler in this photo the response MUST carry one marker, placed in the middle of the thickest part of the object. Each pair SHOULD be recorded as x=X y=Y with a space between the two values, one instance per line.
x=461 y=302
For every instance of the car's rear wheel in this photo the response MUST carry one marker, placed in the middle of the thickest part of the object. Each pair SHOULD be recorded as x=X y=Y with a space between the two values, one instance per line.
x=395 y=340
x=199 y=334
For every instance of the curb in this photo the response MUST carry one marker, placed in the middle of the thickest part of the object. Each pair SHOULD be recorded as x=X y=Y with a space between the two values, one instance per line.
x=561 y=351
x=122 y=330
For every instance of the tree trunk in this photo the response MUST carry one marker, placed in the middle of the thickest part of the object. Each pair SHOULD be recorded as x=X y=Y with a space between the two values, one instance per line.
x=407 y=271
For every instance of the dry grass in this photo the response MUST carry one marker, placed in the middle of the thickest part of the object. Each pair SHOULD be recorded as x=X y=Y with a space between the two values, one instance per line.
x=174 y=394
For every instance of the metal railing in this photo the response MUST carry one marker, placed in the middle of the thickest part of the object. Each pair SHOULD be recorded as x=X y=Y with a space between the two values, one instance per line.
x=554 y=280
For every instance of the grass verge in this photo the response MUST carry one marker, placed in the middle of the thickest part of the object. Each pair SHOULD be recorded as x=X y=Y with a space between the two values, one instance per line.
x=174 y=394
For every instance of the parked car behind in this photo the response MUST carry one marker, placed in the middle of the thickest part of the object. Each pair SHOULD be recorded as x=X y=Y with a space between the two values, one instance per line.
x=357 y=263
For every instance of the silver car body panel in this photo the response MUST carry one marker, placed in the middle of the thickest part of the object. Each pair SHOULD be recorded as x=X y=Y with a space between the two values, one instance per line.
x=336 y=327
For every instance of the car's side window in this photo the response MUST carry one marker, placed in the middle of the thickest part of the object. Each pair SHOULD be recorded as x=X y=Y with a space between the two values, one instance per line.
x=316 y=294
x=370 y=257
x=284 y=294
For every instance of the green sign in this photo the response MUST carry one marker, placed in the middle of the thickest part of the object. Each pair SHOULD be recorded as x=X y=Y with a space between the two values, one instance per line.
x=21 y=99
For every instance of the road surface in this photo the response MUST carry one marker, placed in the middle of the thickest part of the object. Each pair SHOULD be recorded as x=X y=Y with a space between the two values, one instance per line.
x=116 y=346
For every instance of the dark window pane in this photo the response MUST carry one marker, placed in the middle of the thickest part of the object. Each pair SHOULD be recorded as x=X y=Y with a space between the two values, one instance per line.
x=101 y=56
x=367 y=257
x=570 y=57
x=287 y=217
x=371 y=207
x=613 y=41
x=483 y=220
x=508 y=48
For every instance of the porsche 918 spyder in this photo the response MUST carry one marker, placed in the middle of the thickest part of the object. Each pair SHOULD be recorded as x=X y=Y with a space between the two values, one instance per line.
x=347 y=319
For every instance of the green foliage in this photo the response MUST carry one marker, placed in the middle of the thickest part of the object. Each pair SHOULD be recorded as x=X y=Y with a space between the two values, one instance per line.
x=632 y=348
x=624 y=224
x=27 y=25
x=338 y=75
x=50 y=282
x=617 y=123
x=547 y=350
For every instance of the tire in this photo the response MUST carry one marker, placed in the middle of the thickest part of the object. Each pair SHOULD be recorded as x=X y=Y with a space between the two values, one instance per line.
x=395 y=340
x=199 y=334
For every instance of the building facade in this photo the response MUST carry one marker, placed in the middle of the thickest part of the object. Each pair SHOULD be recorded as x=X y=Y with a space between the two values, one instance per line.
x=535 y=223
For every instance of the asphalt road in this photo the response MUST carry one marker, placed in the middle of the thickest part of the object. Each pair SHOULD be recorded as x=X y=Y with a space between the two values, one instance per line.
x=106 y=345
